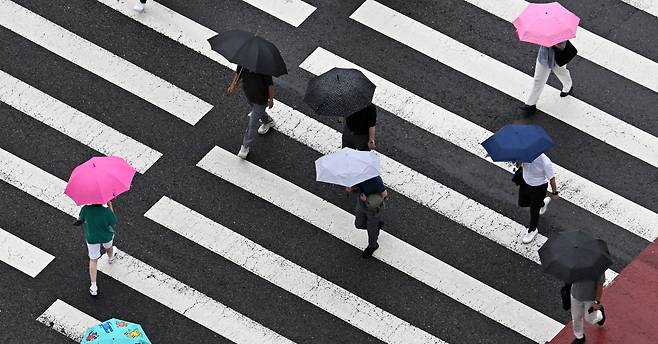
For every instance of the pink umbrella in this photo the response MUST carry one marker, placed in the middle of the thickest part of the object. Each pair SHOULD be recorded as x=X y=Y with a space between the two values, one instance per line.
x=99 y=180
x=546 y=24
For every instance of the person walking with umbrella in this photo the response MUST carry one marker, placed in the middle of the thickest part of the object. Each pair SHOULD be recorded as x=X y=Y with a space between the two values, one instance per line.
x=346 y=93
x=549 y=26
x=360 y=173
x=92 y=184
x=525 y=145
x=257 y=62
x=579 y=259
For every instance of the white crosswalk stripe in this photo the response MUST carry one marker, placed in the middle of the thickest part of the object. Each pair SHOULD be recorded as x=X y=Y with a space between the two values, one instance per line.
x=22 y=255
x=286 y=274
x=393 y=251
x=504 y=78
x=74 y=123
x=103 y=63
x=591 y=46
x=468 y=135
x=187 y=301
x=293 y=12
x=67 y=320
x=298 y=128
x=649 y=6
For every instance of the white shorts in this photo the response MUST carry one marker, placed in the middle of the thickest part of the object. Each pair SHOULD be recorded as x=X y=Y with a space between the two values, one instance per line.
x=95 y=249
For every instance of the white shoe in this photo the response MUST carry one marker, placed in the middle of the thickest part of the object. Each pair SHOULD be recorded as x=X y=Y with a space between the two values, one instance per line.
x=243 y=152
x=93 y=290
x=542 y=210
x=265 y=127
x=530 y=236
x=139 y=7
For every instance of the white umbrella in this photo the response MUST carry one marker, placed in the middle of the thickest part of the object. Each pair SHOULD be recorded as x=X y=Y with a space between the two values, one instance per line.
x=347 y=167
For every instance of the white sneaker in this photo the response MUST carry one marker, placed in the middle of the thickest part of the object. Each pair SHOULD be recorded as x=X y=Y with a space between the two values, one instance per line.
x=265 y=127
x=243 y=152
x=139 y=7
x=93 y=290
x=542 y=210
x=530 y=236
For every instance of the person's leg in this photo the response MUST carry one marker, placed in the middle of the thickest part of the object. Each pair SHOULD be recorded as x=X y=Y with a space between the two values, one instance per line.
x=257 y=111
x=361 y=142
x=109 y=250
x=360 y=217
x=564 y=76
x=94 y=251
x=524 y=197
x=537 y=194
x=577 y=312
x=373 y=222
x=93 y=268
x=346 y=138
x=541 y=76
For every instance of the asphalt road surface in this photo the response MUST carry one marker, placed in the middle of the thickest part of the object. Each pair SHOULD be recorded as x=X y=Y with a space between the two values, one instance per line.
x=218 y=250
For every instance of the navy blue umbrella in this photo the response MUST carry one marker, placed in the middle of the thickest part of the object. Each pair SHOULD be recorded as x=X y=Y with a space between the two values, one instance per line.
x=518 y=142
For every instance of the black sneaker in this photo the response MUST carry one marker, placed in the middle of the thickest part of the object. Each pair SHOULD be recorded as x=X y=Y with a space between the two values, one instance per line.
x=367 y=253
x=564 y=94
x=602 y=321
x=579 y=340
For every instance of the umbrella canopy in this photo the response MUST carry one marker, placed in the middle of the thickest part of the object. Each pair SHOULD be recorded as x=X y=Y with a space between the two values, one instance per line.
x=339 y=92
x=99 y=180
x=347 y=167
x=546 y=24
x=518 y=142
x=574 y=256
x=249 y=51
x=115 y=331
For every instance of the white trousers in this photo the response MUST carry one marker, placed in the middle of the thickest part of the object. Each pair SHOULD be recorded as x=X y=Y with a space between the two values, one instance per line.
x=541 y=76
x=579 y=311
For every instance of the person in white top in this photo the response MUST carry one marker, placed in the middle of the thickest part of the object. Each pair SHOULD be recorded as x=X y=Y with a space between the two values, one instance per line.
x=532 y=191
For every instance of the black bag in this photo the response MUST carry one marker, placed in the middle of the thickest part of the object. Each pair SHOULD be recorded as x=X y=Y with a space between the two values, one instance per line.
x=565 y=292
x=518 y=176
x=565 y=55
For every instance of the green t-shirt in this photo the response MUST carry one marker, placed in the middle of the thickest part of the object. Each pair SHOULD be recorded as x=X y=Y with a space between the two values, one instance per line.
x=98 y=223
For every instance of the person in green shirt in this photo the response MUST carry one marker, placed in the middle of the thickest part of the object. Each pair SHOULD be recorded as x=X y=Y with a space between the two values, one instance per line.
x=98 y=223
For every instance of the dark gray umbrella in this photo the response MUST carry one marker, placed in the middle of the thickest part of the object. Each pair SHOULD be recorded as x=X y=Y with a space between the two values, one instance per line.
x=339 y=92
x=249 y=51
x=574 y=256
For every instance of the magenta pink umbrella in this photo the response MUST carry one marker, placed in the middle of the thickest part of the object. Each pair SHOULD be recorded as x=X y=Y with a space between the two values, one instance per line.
x=546 y=24
x=99 y=180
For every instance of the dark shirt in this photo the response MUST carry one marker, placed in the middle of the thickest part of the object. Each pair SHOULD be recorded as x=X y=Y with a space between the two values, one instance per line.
x=371 y=186
x=98 y=223
x=255 y=85
x=360 y=121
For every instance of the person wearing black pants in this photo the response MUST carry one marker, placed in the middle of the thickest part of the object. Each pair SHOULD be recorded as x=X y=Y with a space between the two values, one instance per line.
x=532 y=191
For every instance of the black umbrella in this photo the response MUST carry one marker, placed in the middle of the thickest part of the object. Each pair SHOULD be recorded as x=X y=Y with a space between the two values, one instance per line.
x=575 y=256
x=339 y=92
x=249 y=51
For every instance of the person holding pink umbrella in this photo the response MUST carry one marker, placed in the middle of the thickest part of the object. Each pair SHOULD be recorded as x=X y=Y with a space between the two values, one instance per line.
x=92 y=184
x=550 y=26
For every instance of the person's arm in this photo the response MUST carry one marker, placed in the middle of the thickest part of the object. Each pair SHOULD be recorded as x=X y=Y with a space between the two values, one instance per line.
x=554 y=192
x=109 y=205
x=234 y=82
x=599 y=295
x=371 y=138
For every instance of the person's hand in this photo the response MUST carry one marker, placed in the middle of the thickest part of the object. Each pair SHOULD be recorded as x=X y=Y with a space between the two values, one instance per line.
x=555 y=195
x=348 y=189
x=363 y=197
x=595 y=307
x=371 y=144
x=270 y=103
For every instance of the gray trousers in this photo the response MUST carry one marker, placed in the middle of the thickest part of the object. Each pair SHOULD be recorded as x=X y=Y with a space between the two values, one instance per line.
x=368 y=219
x=258 y=115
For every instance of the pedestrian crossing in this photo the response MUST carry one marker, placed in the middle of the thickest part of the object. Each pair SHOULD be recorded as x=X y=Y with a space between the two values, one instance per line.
x=295 y=127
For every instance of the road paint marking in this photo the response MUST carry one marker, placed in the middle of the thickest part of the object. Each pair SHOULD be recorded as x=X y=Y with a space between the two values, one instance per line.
x=74 y=123
x=649 y=6
x=591 y=46
x=468 y=136
x=22 y=255
x=286 y=274
x=103 y=63
x=67 y=320
x=504 y=78
x=187 y=301
x=393 y=251
x=293 y=12
x=36 y=182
